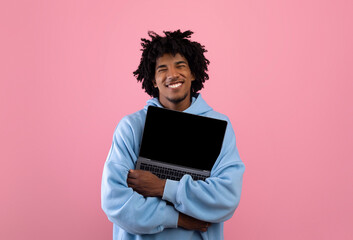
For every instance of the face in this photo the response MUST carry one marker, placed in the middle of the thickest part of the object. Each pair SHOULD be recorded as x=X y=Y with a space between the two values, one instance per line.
x=173 y=79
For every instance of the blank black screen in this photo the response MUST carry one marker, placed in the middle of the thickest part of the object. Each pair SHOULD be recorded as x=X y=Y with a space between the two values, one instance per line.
x=182 y=138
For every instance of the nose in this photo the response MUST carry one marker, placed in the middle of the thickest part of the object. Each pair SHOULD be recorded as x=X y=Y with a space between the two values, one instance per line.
x=172 y=73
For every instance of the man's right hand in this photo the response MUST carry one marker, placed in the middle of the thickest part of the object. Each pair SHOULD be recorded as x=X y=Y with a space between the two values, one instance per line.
x=191 y=223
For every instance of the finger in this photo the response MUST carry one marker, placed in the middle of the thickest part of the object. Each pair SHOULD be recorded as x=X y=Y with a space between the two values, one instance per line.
x=131 y=185
x=131 y=180
x=207 y=226
x=132 y=174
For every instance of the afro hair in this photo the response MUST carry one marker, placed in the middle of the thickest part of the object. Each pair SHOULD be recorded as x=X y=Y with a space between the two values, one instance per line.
x=172 y=43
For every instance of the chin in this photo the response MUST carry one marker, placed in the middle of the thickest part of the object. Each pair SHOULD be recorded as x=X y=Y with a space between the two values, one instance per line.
x=178 y=99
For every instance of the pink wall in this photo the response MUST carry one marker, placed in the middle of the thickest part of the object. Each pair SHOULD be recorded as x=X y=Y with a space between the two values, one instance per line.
x=281 y=70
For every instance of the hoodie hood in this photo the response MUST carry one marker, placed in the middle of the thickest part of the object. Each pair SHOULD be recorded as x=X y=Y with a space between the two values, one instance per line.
x=198 y=105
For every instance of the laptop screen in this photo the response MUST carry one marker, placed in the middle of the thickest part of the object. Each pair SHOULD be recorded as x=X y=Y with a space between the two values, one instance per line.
x=182 y=138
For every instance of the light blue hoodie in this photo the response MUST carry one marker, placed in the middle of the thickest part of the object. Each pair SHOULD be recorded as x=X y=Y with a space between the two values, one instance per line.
x=137 y=217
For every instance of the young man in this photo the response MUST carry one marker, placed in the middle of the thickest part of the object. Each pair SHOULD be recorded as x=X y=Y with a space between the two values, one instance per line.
x=142 y=206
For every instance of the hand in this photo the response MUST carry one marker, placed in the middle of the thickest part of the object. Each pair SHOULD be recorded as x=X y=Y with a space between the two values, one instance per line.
x=191 y=223
x=145 y=183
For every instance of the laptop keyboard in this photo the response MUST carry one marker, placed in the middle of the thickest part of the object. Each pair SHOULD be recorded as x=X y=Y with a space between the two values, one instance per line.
x=168 y=173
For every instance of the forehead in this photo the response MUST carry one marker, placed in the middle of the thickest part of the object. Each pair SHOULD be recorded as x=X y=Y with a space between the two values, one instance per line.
x=168 y=58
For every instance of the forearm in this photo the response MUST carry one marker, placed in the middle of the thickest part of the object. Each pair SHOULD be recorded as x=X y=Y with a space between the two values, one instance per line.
x=126 y=208
x=130 y=210
x=149 y=185
x=213 y=200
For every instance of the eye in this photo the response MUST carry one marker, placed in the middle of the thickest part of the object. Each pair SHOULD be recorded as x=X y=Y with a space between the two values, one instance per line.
x=162 y=70
x=181 y=66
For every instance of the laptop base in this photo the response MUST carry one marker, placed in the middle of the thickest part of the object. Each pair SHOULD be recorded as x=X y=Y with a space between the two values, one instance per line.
x=168 y=171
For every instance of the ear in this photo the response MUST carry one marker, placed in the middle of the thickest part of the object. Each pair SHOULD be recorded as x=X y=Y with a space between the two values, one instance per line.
x=193 y=77
x=154 y=83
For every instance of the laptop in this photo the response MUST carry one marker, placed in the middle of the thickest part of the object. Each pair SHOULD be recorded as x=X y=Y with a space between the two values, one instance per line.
x=177 y=143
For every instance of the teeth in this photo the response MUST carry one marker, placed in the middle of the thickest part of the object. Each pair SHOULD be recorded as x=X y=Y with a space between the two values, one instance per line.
x=175 y=85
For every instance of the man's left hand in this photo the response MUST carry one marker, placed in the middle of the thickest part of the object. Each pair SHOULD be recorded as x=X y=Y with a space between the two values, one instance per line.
x=146 y=183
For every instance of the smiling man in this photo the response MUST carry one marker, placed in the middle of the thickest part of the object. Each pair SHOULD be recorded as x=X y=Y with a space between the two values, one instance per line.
x=141 y=206
x=173 y=79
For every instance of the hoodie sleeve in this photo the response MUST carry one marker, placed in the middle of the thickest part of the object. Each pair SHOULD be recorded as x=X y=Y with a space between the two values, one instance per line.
x=216 y=198
x=124 y=207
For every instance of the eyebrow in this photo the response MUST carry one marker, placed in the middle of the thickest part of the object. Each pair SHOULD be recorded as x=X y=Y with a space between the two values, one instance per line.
x=161 y=66
x=177 y=63
x=180 y=62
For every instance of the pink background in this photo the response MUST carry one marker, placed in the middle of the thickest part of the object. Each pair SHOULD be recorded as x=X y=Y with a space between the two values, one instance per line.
x=281 y=70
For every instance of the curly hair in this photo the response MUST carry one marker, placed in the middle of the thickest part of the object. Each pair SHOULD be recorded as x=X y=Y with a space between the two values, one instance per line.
x=173 y=43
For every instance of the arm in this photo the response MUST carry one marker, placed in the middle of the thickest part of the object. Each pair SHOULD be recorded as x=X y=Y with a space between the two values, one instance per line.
x=149 y=185
x=128 y=209
x=215 y=199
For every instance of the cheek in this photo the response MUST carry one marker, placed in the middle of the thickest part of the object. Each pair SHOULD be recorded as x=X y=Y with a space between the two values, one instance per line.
x=156 y=82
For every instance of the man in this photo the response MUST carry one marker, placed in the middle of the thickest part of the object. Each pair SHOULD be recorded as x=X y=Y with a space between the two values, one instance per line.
x=142 y=206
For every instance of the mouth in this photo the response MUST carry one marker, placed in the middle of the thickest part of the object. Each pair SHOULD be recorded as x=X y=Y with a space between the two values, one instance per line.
x=174 y=85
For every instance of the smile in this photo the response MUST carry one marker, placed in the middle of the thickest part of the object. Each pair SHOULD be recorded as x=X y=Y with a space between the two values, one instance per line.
x=175 y=85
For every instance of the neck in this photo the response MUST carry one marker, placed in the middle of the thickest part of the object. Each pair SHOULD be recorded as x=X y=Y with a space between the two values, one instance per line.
x=176 y=105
